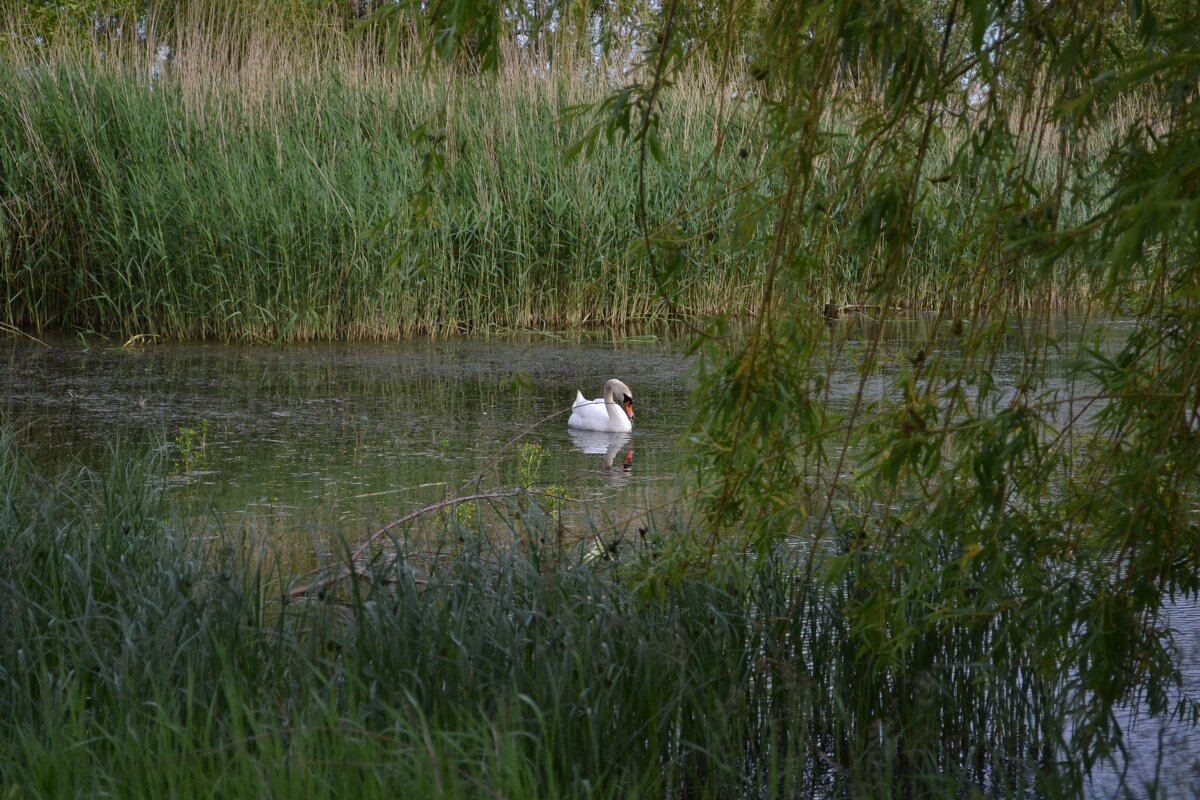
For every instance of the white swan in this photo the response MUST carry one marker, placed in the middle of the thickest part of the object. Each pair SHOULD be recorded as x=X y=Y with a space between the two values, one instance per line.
x=603 y=414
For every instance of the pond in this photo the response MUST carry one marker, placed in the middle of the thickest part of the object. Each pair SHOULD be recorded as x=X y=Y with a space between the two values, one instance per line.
x=344 y=436
x=361 y=431
x=314 y=442
x=348 y=436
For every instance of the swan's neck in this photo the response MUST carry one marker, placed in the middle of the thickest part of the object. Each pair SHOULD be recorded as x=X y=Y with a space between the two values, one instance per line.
x=617 y=417
x=614 y=411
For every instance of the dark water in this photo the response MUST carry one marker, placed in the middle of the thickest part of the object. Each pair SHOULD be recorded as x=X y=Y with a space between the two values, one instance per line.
x=1164 y=754
x=319 y=441
x=352 y=435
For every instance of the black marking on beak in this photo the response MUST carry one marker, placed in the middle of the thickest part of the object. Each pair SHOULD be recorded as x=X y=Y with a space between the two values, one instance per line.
x=629 y=406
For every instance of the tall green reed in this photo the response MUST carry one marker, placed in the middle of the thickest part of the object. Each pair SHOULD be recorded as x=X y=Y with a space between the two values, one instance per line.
x=294 y=195
x=249 y=183
x=148 y=655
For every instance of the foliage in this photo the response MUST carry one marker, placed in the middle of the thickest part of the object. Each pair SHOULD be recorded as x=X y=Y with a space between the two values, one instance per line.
x=191 y=445
x=948 y=574
x=254 y=193
x=45 y=20
x=1050 y=522
x=257 y=184
x=954 y=506
x=145 y=655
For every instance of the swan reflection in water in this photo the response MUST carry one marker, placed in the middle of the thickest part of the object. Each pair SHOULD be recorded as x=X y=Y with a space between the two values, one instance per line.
x=603 y=442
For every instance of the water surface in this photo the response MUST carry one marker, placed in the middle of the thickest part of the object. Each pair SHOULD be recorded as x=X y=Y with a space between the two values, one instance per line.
x=320 y=441
x=355 y=434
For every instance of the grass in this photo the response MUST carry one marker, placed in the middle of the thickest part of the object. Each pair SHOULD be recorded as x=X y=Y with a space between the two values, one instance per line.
x=293 y=199
x=314 y=191
x=144 y=655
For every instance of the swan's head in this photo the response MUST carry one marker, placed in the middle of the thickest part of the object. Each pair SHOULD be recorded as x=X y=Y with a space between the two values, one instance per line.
x=621 y=394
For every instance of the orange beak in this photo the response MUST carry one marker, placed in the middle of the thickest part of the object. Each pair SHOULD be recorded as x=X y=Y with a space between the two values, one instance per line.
x=629 y=406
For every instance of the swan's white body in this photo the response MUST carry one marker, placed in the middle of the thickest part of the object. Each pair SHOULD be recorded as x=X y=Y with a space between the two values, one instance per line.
x=604 y=413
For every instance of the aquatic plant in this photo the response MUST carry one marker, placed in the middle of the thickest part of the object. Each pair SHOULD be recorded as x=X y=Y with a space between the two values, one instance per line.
x=233 y=180
x=530 y=457
x=190 y=446
x=144 y=654
x=261 y=189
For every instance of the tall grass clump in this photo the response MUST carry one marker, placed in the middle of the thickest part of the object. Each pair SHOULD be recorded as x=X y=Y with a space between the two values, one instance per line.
x=242 y=185
x=237 y=178
x=145 y=655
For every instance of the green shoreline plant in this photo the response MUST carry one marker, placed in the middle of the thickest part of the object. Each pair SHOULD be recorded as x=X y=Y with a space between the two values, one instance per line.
x=304 y=195
x=247 y=184
x=148 y=655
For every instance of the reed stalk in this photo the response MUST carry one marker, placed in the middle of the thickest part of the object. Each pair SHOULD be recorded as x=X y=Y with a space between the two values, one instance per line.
x=145 y=655
x=246 y=183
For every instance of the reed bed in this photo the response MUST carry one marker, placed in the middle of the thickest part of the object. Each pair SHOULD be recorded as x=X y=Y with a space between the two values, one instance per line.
x=288 y=195
x=244 y=184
